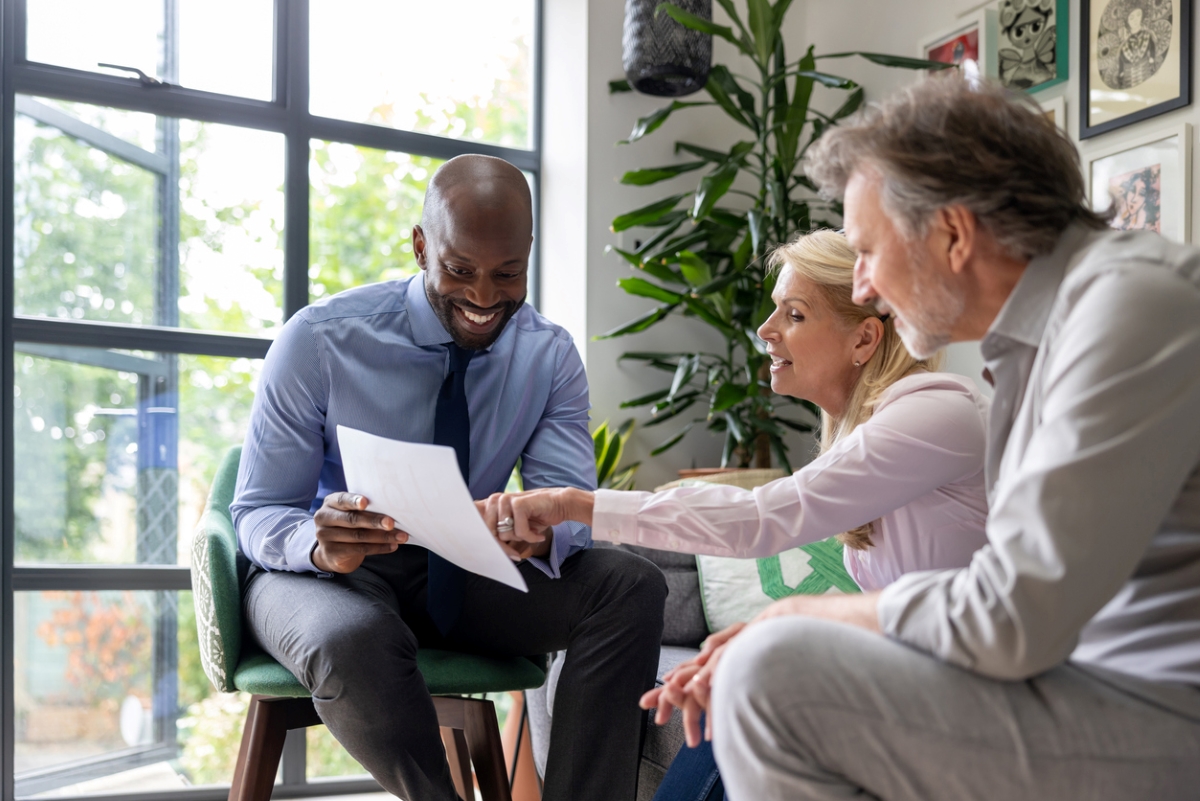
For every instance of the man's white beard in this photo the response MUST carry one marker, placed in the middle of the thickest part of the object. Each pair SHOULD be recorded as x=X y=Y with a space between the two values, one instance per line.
x=926 y=329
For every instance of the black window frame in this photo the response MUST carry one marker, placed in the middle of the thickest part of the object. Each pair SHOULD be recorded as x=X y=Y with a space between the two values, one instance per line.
x=288 y=114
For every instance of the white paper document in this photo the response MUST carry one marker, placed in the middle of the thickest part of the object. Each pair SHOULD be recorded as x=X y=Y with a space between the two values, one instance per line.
x=421 y=488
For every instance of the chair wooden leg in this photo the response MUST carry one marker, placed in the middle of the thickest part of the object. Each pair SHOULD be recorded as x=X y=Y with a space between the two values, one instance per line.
x=267 y=724
x=460 y=762
x=258 y=756
x=487 y=753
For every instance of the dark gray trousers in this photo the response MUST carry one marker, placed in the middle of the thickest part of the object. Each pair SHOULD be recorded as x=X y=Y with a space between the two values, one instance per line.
x=352 y=640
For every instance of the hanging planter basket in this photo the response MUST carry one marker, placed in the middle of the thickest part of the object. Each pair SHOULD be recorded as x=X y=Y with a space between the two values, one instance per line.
x=662 y=57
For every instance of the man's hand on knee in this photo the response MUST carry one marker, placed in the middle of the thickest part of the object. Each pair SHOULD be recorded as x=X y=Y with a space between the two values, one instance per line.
x=347 y=534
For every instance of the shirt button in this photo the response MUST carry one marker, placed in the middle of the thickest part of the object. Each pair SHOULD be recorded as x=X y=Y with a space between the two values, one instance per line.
x=674 y=543
x=616 y=535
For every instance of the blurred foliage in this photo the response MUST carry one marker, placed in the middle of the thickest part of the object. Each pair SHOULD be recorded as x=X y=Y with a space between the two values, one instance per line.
x=609 y=445
x=108 y=641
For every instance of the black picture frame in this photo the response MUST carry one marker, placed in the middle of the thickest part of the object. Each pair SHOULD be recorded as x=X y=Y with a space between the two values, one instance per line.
x=1184 y=98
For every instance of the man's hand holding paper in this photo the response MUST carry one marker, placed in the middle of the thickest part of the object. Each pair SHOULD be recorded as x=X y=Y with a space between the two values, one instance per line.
x=420 y=488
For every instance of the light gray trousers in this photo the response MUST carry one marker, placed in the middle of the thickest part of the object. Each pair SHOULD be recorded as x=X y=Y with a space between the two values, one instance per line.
x=807 y=709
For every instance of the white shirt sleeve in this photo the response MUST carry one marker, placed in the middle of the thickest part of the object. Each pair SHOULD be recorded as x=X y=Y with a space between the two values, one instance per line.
x=925 y=434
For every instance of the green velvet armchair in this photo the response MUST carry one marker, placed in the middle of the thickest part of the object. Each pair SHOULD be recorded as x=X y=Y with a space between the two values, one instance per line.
x=280 y=703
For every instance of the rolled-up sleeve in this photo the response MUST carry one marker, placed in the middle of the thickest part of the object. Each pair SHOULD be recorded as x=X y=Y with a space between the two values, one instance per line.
x=282 y=455
x=560 y=453
x=1115 y=440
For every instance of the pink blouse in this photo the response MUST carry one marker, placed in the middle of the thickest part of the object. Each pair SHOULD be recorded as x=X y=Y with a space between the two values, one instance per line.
x=915 y=468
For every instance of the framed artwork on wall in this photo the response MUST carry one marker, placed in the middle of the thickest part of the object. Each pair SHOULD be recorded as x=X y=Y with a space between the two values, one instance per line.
x=1055 y=110
x=1135 y=61
x=1032 y=43
x=1148 y=182
x=973 y=38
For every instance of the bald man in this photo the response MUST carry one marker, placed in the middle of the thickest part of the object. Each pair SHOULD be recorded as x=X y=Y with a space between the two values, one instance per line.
x=455 y=357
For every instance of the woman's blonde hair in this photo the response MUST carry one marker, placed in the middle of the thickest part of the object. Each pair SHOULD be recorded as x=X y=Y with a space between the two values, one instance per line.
x=826 y=259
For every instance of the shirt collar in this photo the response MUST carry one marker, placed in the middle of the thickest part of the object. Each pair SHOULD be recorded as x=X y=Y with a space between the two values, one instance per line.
x=427 y=329
x=1023 y=316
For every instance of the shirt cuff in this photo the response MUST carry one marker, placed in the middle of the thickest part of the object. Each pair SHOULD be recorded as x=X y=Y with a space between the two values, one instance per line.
x=615 y=515
x=300 y=547
x=913 y=610
x=562 y=545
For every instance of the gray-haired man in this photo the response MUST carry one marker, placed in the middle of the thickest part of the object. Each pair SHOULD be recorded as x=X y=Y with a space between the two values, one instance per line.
x=1064 y=662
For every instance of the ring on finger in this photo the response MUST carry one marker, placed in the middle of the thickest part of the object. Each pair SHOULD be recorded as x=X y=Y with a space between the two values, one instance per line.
x=505 y=525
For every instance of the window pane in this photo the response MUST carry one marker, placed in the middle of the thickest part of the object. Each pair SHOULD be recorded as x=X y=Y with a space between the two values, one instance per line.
x=111 y=698
x=115 y=451
x=88 y=219
x=382 y=62
x=224 y=45
x=364 y=205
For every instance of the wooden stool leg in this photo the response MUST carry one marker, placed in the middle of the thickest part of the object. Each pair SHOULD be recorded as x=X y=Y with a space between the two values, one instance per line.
x=487 y=754
x=460 y=762
x=262 y=746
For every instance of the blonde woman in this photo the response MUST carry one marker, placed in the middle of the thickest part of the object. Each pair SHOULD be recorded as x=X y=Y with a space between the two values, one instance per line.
x=899 y=480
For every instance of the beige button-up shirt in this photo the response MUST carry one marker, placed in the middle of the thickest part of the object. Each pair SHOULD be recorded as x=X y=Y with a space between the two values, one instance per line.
x=1093 y=469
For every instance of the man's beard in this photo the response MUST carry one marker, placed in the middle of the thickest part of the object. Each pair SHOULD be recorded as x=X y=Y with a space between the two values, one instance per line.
x=927 y=327
x=443 y=308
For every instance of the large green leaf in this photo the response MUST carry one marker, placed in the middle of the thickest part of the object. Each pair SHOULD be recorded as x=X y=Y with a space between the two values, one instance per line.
x=727 y=396
x=673 y=441
x=694 y=269
x=852 y=104
x=640 y=324
x=646 y=214
x=797 y=114
x=716 y=285
x=653 y=175
x=734 y=88
x=661 y=271
x=703 y=152
x=708 y=314
x=747 y=44
x=689 y=20
x=683 y=375
x=762 y=28
x=712 y=188
x=653 y=397
x=644 y=289
x=652 y=122
x=722 y=87
x=674 y=410
x=903 y=62
x=825 y=79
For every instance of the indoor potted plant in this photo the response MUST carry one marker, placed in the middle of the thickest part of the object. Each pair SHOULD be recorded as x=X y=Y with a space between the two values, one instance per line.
x=705 y=258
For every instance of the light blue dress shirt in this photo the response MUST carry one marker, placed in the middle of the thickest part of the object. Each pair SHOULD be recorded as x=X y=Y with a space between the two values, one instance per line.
x=374 y=358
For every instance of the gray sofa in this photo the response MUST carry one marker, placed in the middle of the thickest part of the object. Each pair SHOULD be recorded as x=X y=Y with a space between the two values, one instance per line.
x=684 y=628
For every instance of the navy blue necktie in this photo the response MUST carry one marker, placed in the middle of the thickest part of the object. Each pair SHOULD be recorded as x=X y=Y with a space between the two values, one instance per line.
x=451 y=426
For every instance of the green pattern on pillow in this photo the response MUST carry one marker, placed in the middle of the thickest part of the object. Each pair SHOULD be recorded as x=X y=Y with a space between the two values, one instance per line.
x=735 y=590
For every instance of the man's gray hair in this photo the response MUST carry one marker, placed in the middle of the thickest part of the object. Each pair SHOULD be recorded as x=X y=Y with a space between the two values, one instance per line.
x=945 y=141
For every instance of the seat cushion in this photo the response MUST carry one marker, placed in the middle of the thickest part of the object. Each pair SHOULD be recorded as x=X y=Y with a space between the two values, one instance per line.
x=445 y=672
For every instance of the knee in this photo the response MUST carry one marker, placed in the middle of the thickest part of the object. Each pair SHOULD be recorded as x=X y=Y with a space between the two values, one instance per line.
x=762 y=663
x=637 y=583
x=348 y=653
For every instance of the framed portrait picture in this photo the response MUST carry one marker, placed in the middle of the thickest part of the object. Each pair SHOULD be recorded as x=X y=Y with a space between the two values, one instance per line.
x=973 y=38
x=1055 y=110
x=1032 y=52
x=1135 y=61
x=1147 y=182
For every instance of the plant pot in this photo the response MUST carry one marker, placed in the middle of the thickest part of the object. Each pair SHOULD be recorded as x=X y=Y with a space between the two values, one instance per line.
x=661 y=57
